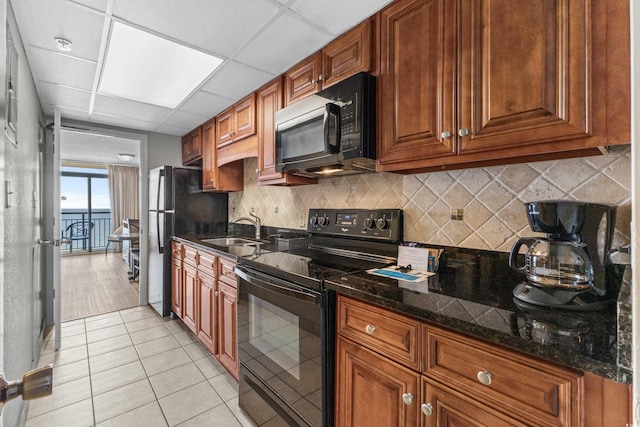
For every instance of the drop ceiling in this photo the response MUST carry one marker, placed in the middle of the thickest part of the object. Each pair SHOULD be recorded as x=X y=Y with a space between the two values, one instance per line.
x=258 y=40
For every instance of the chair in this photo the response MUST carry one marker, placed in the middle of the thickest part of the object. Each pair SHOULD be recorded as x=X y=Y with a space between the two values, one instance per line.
x=78 y=230
x=112 y=238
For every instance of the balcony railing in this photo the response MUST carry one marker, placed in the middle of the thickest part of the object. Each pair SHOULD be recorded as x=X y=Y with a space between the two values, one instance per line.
x=101 y=220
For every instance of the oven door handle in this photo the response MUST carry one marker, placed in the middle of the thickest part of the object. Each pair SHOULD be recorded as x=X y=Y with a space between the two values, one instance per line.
x=270 y=285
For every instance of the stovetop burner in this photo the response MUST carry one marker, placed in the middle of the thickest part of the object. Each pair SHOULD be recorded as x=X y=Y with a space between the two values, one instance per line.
x=341 y=242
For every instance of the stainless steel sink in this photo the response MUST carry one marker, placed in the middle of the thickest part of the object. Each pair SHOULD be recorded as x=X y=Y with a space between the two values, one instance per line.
x=230 y=241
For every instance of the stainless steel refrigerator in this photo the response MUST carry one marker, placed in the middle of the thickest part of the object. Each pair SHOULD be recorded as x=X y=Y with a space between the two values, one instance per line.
x=177 y=206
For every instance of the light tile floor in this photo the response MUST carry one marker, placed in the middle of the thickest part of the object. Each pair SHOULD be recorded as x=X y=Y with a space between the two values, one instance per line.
x=133 y=368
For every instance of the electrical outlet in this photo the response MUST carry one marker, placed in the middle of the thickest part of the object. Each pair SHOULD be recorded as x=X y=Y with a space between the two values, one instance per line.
x=301 y=220
x=253 y=210
x=277 y=209
x=457 y=214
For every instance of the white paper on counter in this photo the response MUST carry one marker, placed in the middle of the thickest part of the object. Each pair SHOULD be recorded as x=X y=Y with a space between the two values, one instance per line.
x=418 y=258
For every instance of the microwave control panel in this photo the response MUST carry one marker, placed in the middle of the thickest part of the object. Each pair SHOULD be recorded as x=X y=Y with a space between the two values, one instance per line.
x=384 y=224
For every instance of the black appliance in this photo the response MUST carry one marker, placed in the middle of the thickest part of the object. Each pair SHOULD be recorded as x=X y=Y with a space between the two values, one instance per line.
x=177 y=206
x=571 y=267
x=286 y=317
x=331 y=132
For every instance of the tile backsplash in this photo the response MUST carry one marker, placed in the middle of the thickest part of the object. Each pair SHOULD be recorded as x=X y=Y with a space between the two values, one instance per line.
x=491 y=198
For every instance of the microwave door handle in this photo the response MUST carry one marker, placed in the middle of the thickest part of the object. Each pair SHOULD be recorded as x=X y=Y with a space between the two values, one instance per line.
x=332 y=129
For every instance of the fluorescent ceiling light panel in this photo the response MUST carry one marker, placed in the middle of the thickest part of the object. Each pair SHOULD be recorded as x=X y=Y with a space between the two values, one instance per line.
x=147 y=68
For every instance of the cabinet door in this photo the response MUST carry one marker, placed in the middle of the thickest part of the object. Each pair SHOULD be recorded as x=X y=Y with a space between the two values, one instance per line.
x=524 y=72
x=347 y=55
x=209 y=160
x=417 y=81
x=370 y=389
x=303 y=79
x=245 y=117
x=225 y=127
x=227 y=327
x=176 y=286
x=441 y=408
x=207 y=311
x=189 y=296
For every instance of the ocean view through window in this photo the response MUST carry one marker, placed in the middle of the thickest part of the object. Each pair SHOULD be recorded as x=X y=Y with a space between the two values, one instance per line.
x=84 y=208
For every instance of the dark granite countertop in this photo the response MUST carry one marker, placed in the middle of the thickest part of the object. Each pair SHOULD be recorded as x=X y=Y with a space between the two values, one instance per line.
x=472 y=294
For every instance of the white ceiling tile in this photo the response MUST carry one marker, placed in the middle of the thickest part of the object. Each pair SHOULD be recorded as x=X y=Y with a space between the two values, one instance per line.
x=64 y=70
x=100 y=5
x=131 y=109
x=180 y=119
x=283 y=44
x=124 y=122
x=235 y=80
x=206 y=104
x=49 y=19
x=172 y=130
x=64 y=96
x=337 y=16
x=217 y=26
x=67 y=113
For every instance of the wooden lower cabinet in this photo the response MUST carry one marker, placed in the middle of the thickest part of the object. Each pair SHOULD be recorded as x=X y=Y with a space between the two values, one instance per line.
x=204 y=295
x=371 y=390
x=227 y=308
x=443 y=407
x=207 y=311
x=189 y=296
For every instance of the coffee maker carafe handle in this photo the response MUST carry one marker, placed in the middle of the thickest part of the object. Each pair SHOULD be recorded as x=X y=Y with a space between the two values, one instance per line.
x=513 y=256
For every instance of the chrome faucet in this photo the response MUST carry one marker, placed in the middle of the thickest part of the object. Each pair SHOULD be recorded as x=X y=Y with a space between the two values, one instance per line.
x=255 y=222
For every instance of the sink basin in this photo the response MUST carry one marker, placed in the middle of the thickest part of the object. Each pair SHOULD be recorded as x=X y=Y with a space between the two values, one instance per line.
x=230 y=241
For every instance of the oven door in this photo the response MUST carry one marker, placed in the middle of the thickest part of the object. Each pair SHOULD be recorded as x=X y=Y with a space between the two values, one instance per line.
x=285 y=344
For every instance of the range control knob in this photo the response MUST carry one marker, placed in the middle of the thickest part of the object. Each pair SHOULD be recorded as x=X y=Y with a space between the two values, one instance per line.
x=323 y=221
x=382 y=223
x=313 y=221
x=368 y=223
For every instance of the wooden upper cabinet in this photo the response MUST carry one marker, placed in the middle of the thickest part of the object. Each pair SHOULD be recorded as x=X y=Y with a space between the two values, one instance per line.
x=347 y=55
x=269 y=100
x=228 y=177
x=478 y=82
x=237 y=122
x=192 y=147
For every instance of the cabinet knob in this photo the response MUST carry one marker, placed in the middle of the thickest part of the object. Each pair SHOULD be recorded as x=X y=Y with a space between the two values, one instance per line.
x=463 y=132
x=484 y=377
x=407 y=398
x=188 y=153
x=427 y=409
x=321 y=77
x=370 y=329
x=445 y=134
x=232 y=133
x=211 y=180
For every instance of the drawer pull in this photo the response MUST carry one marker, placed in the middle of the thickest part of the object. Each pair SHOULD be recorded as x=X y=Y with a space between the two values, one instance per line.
x=427 y=409
x=370 y=329
x=484 y=377
x=407 y=398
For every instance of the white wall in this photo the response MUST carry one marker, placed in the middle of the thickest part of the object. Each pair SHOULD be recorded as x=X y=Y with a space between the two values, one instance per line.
x=164 y=150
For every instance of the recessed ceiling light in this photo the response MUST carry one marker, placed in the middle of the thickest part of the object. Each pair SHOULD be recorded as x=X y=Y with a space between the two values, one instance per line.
x=63 y=44
x=125 y=157
x=143 y=67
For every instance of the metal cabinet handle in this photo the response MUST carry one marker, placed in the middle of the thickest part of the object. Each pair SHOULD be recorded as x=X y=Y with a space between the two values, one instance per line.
x=445 y=134
x=370 y=329
x=321 y=77
x=188 y=153
x=463 y=132
x=407 y=398
x=484 y=377
x=427 y=409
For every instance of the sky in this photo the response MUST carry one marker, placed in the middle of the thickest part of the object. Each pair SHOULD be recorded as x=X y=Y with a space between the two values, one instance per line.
x=73 y=191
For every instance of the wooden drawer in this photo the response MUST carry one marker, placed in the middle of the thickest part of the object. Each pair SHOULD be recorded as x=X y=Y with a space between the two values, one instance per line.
x=226 y=273
x=206 y=262
x=390 y=334
x=190 y=255
x=528 y=389
x=177 y=250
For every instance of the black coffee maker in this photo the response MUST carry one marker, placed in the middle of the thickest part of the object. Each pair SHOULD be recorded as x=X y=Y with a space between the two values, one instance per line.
x=571 y=267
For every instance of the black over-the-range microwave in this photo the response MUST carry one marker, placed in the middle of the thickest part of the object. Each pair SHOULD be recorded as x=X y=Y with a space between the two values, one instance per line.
x=332 y=132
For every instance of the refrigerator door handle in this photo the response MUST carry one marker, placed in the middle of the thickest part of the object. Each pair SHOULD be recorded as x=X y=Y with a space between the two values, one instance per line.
x=160 y=243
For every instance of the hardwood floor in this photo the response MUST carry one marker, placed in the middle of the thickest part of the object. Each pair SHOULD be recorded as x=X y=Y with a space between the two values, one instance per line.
x=95 y=284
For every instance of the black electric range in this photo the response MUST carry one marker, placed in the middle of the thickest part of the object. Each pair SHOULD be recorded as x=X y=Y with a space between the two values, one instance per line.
x=286 y=317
